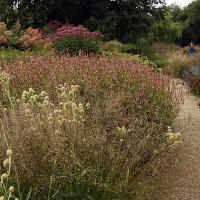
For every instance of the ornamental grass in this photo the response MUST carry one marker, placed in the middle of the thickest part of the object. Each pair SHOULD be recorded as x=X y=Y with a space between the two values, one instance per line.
x=85 y=127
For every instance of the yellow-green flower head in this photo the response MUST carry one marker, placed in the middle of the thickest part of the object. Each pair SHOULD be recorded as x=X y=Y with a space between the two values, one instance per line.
x=31 y=90
x=9 y=152
x=25 y=93
x=4 y=177
x=27 y=111
x=118 y=128
x=56 y=111
x=81 y=110
x=46 y=103
x=50 y=118
x=11 y=189
x=63 y=95
x=70 y=93
x=74 y=121
x=73 y=105
x=73 y=87
x=32 y=98
x=123 y=129
x=155 y=152
x=87 y=105
x=76 y=86
x=60 y=122
x=43 y=93
x=46 y=98
x=61 y=104
x=5 y=110
x=62 y=88
x=23 y=97
x=80 y=105
x=36 y=96
x=6 y=163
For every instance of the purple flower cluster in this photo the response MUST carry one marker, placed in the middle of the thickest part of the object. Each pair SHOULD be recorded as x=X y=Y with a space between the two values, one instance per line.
x=71 y=30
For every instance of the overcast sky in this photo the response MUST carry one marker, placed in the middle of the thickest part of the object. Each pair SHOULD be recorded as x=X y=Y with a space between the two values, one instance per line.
x=181 y=3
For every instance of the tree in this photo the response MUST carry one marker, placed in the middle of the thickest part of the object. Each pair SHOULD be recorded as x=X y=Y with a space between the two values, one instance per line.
x=125 y=20
x=191 y=32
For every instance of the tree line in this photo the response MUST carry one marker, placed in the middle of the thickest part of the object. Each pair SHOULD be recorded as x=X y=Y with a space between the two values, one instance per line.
x=143 y=21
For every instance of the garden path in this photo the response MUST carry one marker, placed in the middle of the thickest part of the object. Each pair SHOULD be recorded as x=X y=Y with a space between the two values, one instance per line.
x=182 y=176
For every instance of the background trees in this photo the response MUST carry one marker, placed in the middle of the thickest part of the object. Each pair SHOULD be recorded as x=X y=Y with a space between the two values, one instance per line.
x=124 y=20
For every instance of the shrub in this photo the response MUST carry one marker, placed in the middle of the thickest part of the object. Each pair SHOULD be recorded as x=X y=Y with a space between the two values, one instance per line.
x=72 y=39
x=73 y=45
x=33 y=39
x=113 y=45
x=71 y=30
x=5 y=35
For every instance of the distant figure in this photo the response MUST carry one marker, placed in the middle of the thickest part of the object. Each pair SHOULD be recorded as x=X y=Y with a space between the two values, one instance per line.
x=191 y=49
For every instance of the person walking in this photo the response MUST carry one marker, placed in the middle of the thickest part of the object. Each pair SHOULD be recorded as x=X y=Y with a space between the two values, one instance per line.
x=191 y=49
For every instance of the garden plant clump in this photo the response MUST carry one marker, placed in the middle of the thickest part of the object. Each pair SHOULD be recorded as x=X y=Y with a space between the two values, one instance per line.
x=85 y=124
x=71 y=39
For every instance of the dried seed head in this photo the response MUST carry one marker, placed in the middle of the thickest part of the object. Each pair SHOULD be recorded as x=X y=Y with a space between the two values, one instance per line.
x=6 y=163
x=46 y=98
x=4 y=177
x=62 y=89
x=73 y=87
x=87 y=105
x=11 y=189
x=155 y=152
x=31 y=90
x=9 y=152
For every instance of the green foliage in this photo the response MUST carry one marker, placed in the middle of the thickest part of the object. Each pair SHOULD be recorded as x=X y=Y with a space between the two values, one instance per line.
x=191 y=30
x=160 y=60
x=73 y=45
x=123 y=20
x=113 y=45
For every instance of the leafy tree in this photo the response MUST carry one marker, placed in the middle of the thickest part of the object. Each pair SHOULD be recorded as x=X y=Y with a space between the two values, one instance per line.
x=125 y=20
x=191 y=32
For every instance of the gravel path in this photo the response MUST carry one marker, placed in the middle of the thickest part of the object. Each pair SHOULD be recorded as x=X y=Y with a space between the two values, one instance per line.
x=182 y=177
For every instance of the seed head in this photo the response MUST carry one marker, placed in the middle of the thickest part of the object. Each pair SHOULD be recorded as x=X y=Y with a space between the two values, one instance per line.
x=31 y=90
x=87 y=105
x=73 y=87
x=43 y=93
x=62 y=89
x=9 y=152
x=46 y=98
x=11 y=189
x=155 y=152
x=4 y=177
x=6 y=163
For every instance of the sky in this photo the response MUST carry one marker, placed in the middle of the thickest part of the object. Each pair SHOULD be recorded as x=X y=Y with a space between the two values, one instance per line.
x=181 y=3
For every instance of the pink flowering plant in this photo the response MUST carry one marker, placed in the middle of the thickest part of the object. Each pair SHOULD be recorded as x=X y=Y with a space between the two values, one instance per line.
x=101 y=120
x=71 y=39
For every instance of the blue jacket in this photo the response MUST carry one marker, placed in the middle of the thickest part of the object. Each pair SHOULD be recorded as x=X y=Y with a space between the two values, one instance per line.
x=191 y=50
